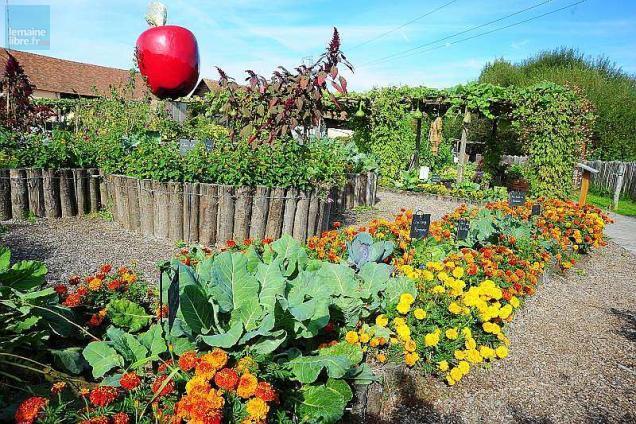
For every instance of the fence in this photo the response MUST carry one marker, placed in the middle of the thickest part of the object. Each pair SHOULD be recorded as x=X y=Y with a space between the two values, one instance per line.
x=605 y=180
x=194 y=212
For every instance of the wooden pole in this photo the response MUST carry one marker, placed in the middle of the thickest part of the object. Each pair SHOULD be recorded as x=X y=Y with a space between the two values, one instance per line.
x=208 y=212
x=67 y=192
x=36 y=192
x=585 y=185
x=314 y=208
x=132 y=186
x=191 y=212
x=300 y=217
x=81 y=191
x=260 y=205
x=175 y=227
x=19 y=194
x=146 y=208
x=462 y=146
x=275 y=213
x=5 y=195
x=93 y=189
x=619 y=186
x=51 y=187
x=225 y=221
x=242 y=213
x=161 y=205
x=290 y=211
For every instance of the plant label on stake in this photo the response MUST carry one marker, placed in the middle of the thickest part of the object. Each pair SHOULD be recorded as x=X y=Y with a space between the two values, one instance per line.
x=173 y=300
x=536 y=209
x=516 y=198
x=463 y=225
x=420 y=225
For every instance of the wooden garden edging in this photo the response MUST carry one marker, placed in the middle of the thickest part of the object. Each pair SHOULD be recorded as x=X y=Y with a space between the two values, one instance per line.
x=193 y=212
x=49 y=193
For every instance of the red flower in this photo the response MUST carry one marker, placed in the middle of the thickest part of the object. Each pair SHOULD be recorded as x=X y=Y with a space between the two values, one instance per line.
x=226 y=379
x=72 y=300
x=106 y=268
x=121 y=418
x=267 y=240
x=75 y=280
x=230 y=243
x=266 y=392
x=60 y=289
x=103 y=395
x=96 y=320
x=82 y=290
x=188 y=360
x=115 y=284
x=29 y=410
x=162 y=312
x=247 y=242
x=337 y=225
x=156 y=386
x=130 y=381
x=96 y=420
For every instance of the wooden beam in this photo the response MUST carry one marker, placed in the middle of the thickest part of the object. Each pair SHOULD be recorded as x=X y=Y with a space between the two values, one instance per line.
x=585 y=186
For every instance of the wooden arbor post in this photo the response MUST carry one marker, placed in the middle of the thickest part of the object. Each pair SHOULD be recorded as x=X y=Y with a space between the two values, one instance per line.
x=461 y=164
x=585 y=182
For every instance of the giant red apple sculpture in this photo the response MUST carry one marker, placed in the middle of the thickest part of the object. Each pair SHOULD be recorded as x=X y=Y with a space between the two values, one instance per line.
x=168 y=56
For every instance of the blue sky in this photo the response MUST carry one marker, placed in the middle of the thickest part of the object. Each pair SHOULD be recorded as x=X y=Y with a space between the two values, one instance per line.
x=249 y=34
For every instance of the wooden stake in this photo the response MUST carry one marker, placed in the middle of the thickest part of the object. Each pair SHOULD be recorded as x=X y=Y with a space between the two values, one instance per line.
x=260 y=205
x=19 y=194
x=36 y=192
x=208 y=211
x=225 y=221
x=275 y=213
x=585 y=185
x=5 y=195
x=290 y=211
x=242 y=213
x=67 y=193
x=312 y=218
x=81 y=191
x=161 y=209
x=146 y=208
x=619 y=186
x=132 y=185
x=300 y=217
x=175 y=227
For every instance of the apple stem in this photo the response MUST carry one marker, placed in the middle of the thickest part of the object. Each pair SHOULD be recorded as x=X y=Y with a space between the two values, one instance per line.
x=157 y=14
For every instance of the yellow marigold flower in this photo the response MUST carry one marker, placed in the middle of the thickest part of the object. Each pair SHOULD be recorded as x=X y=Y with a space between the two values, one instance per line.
x=501 y=351
x=393 y=340
x=410 y=345
x=458 y=272
x=403 y=308
x=407 y=298
x=431 y=339
x=452 y=334
x=404 y=332
x=450 y=380
x=197 y=384
x=257 y=408
x=470 y=343
x=427 y=275
x=466 y=331
x=217 y=358
x=503 y=338
x=380 y=357
x=514 y=301
x=351 y=337
x=464 y=367
x=411 y=358
x=438 y=289
x=486 y=352
x=442 y=366
x=450 y=264
x=456 y=373
x=95 y=284
x=454 y=308
x=442 y=276
x=381 y=320
x=247 y=385
x=473 y=356
x=364 y=338
x=459 y=354
x=505 y=311
x=399 y=321
x=419 y=313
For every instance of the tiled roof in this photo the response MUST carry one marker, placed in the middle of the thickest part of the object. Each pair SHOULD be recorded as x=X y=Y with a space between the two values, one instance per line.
x=65 y=76
x=203 y=87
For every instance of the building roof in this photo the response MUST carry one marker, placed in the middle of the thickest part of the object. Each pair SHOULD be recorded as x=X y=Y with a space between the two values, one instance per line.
x=72 y=78
x=203 y=87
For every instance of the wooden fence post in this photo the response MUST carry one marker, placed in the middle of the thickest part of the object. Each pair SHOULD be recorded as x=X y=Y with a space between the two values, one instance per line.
x=36 y=192
x=93 y=190
x=5 y=195
x=81 y=191
x=314 y=208
x=291 y=198
x=208 y=212
x=619 y=186
x=161 y=206
x=132 y=185
x=51 y=187
x=300 y=217
x=146 y=208
x=191 y=212
x=260 y=205
x=175 y=227
x=225 y=221
x=275 y=213
x=19 y=194
x=242 y=213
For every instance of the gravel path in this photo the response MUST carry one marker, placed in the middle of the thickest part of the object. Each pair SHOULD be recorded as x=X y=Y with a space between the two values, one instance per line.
x=79 y=246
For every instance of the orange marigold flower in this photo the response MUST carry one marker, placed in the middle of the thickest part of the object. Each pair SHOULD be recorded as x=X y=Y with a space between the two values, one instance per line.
x=121 y=418
x=106 y=268
x=58 y=387
x=188 y=360
x=115 y=284
x=82 y=291
x=266 y=392
x=159 y=382
x=217 y=358
x=204 y=369
x=96 y=320
x=230 y=243
x=95 y=284
x=103 y=395
x=267 y=240
x=164 y=365
x=73 y=300
x=162 y=312
x=226 y=379
x=130 y=381
x=29 y=410
x=257 y=409
x=102 y=419
x=247 y=385
x=60 y=289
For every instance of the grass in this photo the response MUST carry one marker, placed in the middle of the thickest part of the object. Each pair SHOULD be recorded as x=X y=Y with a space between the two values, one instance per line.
x=625 y=206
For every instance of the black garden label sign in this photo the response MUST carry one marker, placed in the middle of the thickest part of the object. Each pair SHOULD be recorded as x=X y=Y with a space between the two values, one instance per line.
x=536 y=209
x=420 y=225
x=463 y=226
x=173 y=299
x=516 y=198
